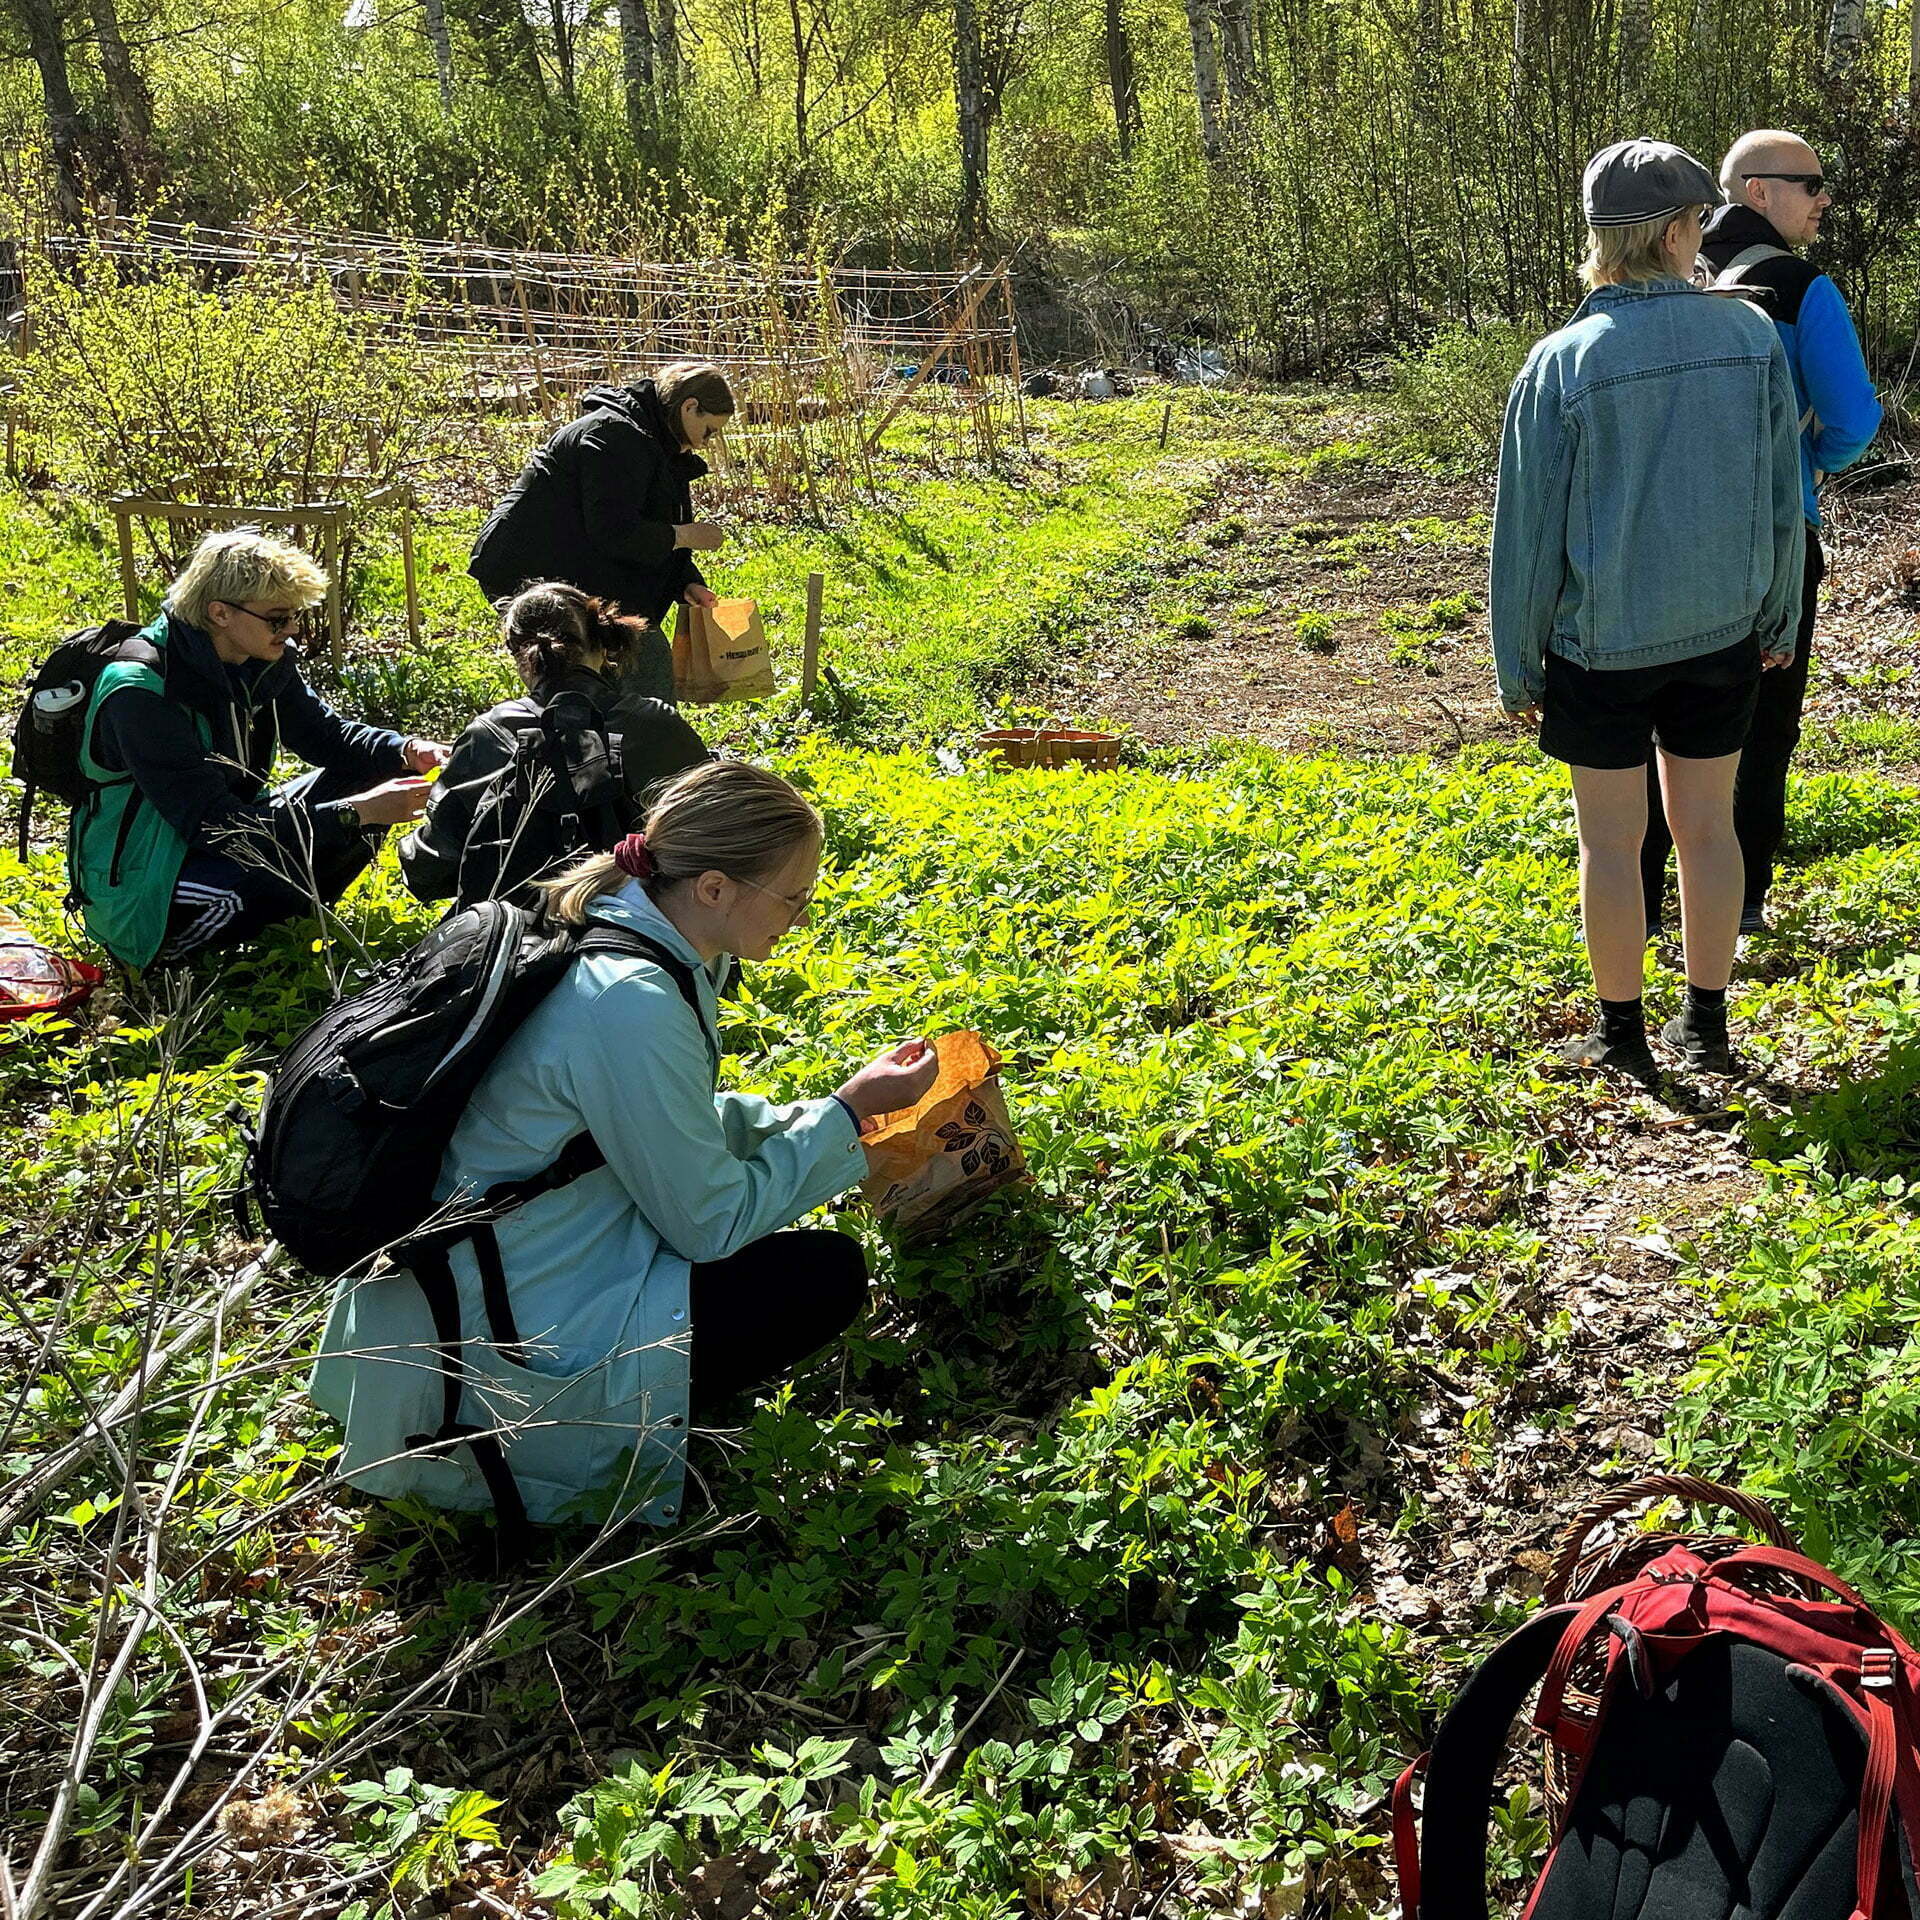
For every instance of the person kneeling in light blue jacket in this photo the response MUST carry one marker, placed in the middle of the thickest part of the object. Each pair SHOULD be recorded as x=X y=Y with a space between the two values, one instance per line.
x=646 y=1293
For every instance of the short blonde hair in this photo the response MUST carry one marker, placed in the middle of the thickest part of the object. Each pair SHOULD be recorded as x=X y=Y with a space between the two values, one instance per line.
x=1616 y=255
x=237 y=564
x=724 y=817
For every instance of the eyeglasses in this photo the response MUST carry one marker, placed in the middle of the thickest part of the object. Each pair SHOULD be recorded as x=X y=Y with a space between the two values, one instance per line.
x=795 y=903
x=273 y=622
x=1815 y=183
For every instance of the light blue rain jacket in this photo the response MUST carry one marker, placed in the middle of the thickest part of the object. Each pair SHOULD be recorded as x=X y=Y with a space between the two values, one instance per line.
x=1649 y=502
x=597 y=1272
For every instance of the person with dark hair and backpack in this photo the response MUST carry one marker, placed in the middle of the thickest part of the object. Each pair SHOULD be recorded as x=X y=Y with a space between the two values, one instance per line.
x=1777 y=194
x=564 y=770
x=607 y=505
x=177 y=844
x=608 y=1260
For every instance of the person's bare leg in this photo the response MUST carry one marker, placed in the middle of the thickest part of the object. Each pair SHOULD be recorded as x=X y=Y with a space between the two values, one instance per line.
x=1610 y=804
x=1699 y=796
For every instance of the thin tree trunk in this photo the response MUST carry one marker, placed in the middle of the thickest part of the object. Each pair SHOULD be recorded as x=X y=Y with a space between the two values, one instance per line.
x=666 y=42
x=802 y=52
x=1206 y=75
x=1121 y=81
x=636 y=68
x=132 y=103
x=1846 y=30
x=441 y=41
x=563 y=53
x=48 y=48
x=1237 y=57
x=970 y=106
x=1913 y=50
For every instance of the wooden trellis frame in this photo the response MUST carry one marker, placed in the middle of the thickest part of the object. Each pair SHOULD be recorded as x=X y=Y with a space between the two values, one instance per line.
x=816 y=353
x=328 y=519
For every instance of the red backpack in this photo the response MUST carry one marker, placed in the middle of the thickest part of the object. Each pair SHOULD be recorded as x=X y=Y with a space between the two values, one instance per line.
x=1733 y=1745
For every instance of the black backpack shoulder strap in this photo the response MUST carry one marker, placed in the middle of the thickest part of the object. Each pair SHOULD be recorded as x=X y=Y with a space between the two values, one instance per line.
x=602 y=938
x=1451 y=1873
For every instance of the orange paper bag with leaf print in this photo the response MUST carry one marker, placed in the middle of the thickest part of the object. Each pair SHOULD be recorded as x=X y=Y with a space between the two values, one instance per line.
x=935 y=1162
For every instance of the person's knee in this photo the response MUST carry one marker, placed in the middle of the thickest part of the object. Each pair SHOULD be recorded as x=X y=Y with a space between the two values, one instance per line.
x=842 y=1280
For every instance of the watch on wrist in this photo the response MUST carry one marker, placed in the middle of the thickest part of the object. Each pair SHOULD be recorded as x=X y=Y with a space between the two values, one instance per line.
x=348 y=815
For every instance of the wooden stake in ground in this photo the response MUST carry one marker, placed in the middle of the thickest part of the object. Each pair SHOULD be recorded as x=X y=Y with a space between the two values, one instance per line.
x=1166 y=421
x=810 y=647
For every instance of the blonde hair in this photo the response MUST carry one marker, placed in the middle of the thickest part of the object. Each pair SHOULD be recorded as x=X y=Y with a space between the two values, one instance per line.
x=1616 y=255
x=697 y=380
x=724 y=817
x=238 y=564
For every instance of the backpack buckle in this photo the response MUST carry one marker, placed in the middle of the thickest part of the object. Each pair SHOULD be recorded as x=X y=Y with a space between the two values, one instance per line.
x=1876 y=1667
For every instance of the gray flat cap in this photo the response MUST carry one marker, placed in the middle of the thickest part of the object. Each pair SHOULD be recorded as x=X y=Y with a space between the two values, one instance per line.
x=1635 y=180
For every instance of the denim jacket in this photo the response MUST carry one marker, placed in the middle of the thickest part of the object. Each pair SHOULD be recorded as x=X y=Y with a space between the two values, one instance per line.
x=1649 y=503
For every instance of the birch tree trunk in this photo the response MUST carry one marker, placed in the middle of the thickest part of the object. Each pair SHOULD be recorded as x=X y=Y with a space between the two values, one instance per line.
x=132 y=103
x=1237 y=55
x=666 y=49
x=1206 y=75
x=47 y=47
x=1846 y=30
x=441 y=41
x=1121 y=81
x=971 y=112
x=636 y=69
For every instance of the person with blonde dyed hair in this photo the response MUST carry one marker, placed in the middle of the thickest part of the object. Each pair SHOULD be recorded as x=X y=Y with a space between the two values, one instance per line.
x=645 y=1293
x=181 y=846
x=1647 y=550
x=607 y=506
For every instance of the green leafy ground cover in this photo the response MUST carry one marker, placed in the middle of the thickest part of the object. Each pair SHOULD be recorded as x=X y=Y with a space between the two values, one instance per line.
x=1040 y=1599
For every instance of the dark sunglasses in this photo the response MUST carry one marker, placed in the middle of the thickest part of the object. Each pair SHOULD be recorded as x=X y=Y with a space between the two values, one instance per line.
x=1815 y=183
x=273 y=622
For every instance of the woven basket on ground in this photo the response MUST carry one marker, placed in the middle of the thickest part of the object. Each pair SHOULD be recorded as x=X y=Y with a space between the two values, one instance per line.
x=1581 y=1569
x=1051 y=747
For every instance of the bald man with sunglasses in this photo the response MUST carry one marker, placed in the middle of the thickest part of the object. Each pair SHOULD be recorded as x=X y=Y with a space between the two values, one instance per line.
x=1777 y=194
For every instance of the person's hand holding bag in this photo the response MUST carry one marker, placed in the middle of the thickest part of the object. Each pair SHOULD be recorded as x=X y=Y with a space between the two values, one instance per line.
x=894 y=1080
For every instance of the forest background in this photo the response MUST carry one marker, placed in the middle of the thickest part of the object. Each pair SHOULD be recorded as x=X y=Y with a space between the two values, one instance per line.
x=1310 y=180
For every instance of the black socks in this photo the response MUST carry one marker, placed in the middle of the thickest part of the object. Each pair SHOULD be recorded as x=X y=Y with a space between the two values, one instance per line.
x=1706 y=1009
x=1623 y=1020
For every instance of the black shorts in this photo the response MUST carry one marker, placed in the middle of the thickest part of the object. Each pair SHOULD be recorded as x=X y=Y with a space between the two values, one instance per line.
x=1696 y=709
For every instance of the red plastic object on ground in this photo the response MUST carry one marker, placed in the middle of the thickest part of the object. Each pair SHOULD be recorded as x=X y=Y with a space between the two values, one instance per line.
x=35 y=979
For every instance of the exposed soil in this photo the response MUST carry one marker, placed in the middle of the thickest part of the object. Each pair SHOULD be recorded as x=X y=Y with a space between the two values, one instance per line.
x=1345 y=610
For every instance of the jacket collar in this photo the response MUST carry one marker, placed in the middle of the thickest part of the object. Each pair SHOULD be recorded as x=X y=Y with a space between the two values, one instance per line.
x=1733 y=229
x=641 y=404
x=1621 y=294
x=197 y=674
x=630 y=907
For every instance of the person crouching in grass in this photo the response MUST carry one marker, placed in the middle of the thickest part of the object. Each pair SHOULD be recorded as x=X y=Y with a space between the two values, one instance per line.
x=1648 y=545
x=181 y=846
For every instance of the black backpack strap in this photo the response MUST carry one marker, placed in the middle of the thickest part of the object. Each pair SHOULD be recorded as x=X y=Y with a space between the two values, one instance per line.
x=603 y=938
x=432 y=1271
x=26 y=819
x=1447 y=1877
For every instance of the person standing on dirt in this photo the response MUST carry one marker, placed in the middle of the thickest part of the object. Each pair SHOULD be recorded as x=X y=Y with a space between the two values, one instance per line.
x=606 y=505
x=1630 y=609
x=1777 y=192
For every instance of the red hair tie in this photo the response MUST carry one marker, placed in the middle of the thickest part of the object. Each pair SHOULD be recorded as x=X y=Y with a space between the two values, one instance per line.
x=634 y=857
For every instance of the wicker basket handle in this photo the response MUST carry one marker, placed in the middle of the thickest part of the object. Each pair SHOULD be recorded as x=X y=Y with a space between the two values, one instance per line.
x=1659 y=1486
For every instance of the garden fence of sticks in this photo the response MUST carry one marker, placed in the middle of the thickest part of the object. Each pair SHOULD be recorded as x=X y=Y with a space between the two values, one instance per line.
x=823 y=358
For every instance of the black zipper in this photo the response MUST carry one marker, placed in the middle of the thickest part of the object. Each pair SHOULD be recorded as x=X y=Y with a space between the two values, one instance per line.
x=120 y=835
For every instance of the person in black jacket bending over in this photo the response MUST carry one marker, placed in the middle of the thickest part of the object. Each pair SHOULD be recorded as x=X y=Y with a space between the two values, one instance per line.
x=564 y=771
x=607 y=506
x=182 y=846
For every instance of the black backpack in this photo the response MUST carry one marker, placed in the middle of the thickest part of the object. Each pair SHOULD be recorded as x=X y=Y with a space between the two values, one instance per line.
x=569 y=788
x=51 y=729
x=361 y=1107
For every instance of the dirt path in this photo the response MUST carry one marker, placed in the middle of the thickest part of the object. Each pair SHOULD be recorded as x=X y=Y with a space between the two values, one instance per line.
x=1344 y=609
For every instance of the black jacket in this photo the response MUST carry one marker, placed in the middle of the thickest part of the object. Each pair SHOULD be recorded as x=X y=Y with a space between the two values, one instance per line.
x=519 y=798
x=209 y=792
x=597 y=506
x=1780 y=283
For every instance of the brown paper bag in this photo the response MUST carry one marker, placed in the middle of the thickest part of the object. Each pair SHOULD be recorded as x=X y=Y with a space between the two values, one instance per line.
x=720 y=653
x=933 y=1163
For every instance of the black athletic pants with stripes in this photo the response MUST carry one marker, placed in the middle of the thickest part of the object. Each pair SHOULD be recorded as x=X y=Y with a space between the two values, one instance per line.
x=761 y=1311
x=221 y=900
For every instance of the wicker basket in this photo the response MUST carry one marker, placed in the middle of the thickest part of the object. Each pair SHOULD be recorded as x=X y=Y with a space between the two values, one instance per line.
x=1051 y=747
x=1581 y=1569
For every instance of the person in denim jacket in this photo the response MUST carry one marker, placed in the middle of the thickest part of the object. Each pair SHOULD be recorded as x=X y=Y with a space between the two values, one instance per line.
x=1648 y=544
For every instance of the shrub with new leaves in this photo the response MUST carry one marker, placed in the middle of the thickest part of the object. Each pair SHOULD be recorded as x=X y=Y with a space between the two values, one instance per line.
x=261 y=391
x=1448 y=401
